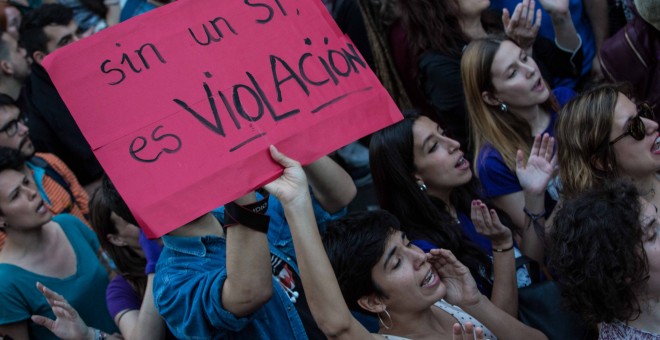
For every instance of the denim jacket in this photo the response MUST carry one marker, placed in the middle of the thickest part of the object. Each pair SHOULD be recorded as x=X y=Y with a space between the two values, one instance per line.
x=191 y=272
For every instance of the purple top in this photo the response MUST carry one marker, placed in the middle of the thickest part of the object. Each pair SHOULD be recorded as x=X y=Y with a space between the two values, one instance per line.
x=121 y=296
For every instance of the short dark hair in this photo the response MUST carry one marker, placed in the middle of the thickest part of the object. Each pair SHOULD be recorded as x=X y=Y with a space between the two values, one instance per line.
x=32 y=35
x=596 y=249
x=11 y=159
x=354 y=245
x=114 y=201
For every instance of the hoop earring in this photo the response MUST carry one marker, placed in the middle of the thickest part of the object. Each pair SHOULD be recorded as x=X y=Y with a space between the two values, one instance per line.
x=422 y=187
x=503 y=107
x=383 y=323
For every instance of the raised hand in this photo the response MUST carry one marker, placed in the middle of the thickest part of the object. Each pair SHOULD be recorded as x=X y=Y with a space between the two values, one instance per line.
x=292 y=185
x=487 y=223
x=521 y=26
x=460 y=285
x=68 y=325
x=540 y=167
x=471 y=332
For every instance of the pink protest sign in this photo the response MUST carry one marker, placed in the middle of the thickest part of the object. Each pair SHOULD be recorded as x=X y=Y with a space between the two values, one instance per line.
x=180 y=104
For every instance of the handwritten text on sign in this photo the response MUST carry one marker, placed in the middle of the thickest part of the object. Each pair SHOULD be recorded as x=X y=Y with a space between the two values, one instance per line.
x=180 y=104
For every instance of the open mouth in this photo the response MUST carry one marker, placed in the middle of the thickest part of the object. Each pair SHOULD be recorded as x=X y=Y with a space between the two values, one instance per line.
x=462 y=163
x=656 y=146
x=538 y=86
x=429 y=279
x=41 y=208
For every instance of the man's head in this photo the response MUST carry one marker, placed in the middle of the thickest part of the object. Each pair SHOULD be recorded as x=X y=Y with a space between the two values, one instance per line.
x=47 y=28
x=13 y=131
x=13 y=62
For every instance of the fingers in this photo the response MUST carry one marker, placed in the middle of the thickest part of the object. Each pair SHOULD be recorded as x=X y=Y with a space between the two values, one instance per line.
x=458 y=332
x=525 y=16
x=537 y=22
x=50 y=295
x=506 y=18
x=43 y=321
x=515 y=18
x=471 y=332
x=520 y=160
x=481 y=217
x=281 y=158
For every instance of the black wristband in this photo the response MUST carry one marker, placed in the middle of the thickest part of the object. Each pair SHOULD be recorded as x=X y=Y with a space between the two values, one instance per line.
x=251 y=215
x=502 y=250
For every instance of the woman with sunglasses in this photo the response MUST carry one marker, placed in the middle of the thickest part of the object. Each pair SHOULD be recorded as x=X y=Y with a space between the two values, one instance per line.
x=603 y=135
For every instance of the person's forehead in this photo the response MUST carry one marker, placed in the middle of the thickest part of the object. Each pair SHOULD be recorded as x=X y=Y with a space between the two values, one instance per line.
x=57 y=31
x=505 y=55
x=8 y=113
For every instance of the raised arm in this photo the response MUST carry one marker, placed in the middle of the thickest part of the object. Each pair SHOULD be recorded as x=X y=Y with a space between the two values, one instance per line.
x=566 y=36
x=321 y=288
x=534 y=176
x=505 y=286
x=332 y=186
x=249 y=282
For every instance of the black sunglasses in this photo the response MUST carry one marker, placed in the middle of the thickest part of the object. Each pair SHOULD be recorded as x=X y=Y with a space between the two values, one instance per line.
x=637 y=129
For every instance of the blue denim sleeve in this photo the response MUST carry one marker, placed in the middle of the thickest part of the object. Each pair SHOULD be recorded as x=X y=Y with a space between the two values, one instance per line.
x=189 y=299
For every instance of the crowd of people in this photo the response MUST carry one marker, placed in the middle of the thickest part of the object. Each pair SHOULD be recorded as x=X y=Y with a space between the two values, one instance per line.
x=516 y=197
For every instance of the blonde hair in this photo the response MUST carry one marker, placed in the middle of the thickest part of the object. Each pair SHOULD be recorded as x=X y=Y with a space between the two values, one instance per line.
x=506 y=132
x=585 y=157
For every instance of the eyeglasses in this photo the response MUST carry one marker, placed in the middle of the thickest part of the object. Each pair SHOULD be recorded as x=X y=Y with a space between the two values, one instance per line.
x=637 y=129
x=12 y=127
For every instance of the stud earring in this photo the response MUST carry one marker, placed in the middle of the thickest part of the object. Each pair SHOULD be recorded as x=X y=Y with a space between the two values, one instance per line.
x=503 y=107
x=422 y=187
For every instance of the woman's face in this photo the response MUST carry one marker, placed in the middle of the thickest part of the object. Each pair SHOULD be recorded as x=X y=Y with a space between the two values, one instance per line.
x=516 y=78
x=127 y=235
x=635 y=158
x=651 y=239
x=438 y=159
x=405 y=277
x=21 y=205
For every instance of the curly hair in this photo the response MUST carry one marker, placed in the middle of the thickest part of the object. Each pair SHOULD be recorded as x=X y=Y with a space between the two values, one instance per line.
x=596 y=249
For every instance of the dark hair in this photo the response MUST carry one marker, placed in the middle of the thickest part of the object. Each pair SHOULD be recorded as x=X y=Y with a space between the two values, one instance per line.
x=435 y=25
x=32 y=35
x=115 y=202
x=391 y=158
x=597 y=251
x=129 y=263
x=354 y=245
x=11 y=159
x=96 y=6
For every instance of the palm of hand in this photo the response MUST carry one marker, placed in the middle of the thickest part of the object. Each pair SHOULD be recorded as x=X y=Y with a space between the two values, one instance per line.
x=458 y=291
x=536 y=174
x=290 y=186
